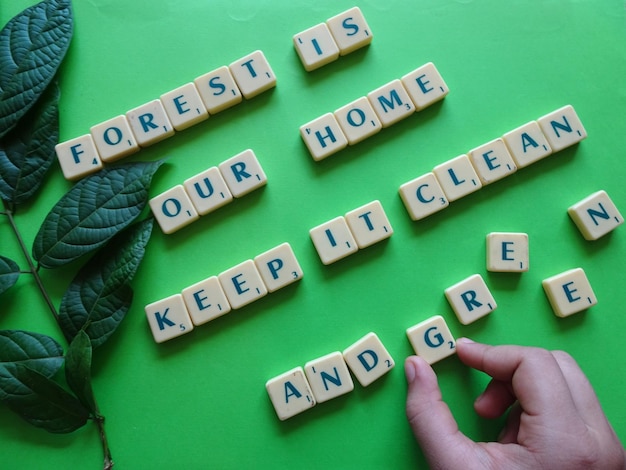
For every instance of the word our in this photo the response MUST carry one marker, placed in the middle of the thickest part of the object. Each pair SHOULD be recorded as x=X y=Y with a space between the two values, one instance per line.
x=159 y=119
x=345 y=235
x=207 y=191
x=217 y=295
x=491 y=162
x=368 y=115
x=325 y=42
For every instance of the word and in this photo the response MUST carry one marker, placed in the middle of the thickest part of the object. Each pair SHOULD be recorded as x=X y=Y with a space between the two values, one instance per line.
x=340 y=35
x=368 y=115
x=208 y=191
x=159 y=119
x=217 y=295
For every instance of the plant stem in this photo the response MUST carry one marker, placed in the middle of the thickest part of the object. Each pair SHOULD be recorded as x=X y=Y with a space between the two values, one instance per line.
x=108 y=460
x=32 y=269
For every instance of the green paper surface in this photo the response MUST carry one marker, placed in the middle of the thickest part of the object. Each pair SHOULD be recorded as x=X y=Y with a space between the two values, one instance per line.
x=199 y=401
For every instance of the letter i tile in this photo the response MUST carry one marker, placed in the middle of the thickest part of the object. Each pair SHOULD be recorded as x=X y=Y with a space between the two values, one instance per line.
x=431 y=339
x=333 y=240
x=316 y=47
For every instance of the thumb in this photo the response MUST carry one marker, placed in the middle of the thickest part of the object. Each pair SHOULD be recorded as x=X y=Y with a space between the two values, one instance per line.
x=433 y=425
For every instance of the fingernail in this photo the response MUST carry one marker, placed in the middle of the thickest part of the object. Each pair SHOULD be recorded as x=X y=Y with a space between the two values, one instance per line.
x=465 y=341
x=409 y=371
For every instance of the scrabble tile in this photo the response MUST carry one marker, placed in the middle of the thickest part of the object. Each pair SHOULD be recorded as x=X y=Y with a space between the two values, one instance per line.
x=184 y=107
x=507 y=252
x=492 y=161
x=333 y=240
x=596 y=215
x=391 y=103
x=569 y=292
x=243 y=173
x=316 y=47
x=278 y=267
x=328 y=377
x=562 y=128
x=208 y=191
x=290 y=393
x=350 y=30
x=368 y=359
x=470 y=299
x=457 y=178
x=149 y=123
x=205 y=301
x=242 y=284
x=423 y=196
x=369 y=224
x=253 y=74
x=323 y=136
x=358 y=120
x=425 y=86
x=431 y=339
x=78 y=157
x=168 y=318
x=527 y=144
x=114 y=139
x=218 y=90
x=173 y=209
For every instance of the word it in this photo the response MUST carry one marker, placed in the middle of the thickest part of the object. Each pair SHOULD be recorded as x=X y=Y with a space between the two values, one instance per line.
x=339 y=35
x=491 y=162
x=217 y=295
x=368 y=115
x=208 y=191
x=159 y=119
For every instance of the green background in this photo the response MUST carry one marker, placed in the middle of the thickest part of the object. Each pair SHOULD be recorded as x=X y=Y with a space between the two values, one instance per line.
x=199 y=401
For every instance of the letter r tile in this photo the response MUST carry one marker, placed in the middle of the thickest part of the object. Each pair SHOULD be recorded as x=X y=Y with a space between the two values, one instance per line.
x=168 y=318
x=470 y=299
x=431 y=339
x=243 y=173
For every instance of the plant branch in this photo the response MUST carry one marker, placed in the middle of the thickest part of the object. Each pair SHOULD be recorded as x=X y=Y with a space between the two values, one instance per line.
x=108 y=460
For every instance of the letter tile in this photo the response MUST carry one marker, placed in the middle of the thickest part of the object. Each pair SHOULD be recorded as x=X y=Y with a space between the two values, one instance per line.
x=184 y=107
x=431 y=339
x=329 y=377
x=78 y=157
x=243 y=173
x=350 y=30
x=114 y=139
x=205 y=301
x=253 y=74
x=507 y=252
x=323 y=136
x=368 y=359
x=425 y=86
x=278 y=267
x=562 y=128
x=315 y=47
x=173 y=209
x=457 y=177
x=423 y=196
x=290 y=393
x=596 y=215
x=569 y=292
x=358 y=120
x=218 y=90
x=369 y=224
x=333 y=240
x=242 y=284
x=208 y=191
x=527 y=144
x=470 y=299
x=492 y=161
x=391 y=103
x=149 y=123
x=168 y=318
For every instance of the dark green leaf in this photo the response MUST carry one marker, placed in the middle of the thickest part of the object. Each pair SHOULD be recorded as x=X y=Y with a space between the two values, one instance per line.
x=22 y=348
x=27 y=152
x=44 y=403
x=32 y=46
x=9 y=273
x=92 y=212
x=78 y=370
x=99 y=297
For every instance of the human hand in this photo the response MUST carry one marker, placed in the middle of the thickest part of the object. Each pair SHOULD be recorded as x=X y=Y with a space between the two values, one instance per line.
x=555 y=420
